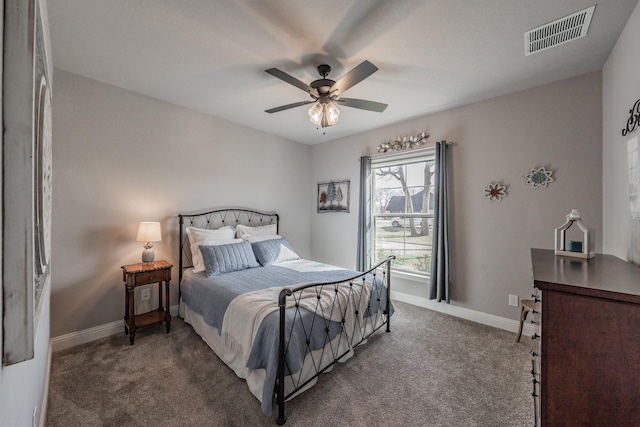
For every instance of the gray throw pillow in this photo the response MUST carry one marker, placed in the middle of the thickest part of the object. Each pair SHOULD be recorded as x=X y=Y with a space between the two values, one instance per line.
x=227 y=258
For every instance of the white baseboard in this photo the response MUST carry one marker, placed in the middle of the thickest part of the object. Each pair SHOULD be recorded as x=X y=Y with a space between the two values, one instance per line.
x=464 y=313
x=87 y=335
x=45 y=397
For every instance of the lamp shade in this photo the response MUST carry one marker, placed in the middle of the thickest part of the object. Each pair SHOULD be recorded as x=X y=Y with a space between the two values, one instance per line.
x=149 y=232
x=315 y=114
x=324 y=113
x=332 y=113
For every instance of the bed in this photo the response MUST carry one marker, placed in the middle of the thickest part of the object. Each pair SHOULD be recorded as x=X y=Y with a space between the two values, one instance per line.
x=277 y=320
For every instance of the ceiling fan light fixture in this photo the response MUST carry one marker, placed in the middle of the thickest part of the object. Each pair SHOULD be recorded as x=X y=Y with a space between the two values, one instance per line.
x=324 y=114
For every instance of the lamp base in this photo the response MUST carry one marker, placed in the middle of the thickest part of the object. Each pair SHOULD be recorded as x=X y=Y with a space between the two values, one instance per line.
x=147 y=257
x=583 y=255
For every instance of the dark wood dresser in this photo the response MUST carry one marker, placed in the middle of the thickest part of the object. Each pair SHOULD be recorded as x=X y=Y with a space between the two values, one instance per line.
x=587 y=355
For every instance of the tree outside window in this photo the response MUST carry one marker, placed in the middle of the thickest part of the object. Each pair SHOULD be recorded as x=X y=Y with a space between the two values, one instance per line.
x=403 y=196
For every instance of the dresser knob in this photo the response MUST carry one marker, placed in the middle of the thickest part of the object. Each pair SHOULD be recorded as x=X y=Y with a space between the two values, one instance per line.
x=535 y=336
x=534 y=322
x=535 y=298
x=533 y=353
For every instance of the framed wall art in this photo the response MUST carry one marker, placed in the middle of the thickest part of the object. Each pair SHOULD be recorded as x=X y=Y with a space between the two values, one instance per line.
x=333 y=197
x=26 y=190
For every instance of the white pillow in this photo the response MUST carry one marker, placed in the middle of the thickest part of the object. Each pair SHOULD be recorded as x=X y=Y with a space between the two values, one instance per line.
x=251 y=238
x=203 y=236
x=264 y=230
x=204 y=233
x=274 y=251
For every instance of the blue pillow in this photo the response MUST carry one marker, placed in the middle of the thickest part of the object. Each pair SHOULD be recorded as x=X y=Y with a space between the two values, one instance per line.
x=274 y=251
x=227 y=258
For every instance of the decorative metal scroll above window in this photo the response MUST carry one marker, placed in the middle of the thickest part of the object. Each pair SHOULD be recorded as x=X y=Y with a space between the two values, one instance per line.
x=633 y=120
x=406 y=143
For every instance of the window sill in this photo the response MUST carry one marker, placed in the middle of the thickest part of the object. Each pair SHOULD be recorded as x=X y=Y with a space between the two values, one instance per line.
x=422 y=278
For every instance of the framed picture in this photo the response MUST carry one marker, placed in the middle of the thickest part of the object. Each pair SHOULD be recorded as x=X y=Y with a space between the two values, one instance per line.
x=26 y=190
x=333 y=196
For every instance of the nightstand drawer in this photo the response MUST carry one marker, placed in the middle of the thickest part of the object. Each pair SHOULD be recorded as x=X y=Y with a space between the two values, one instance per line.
x=151 y=277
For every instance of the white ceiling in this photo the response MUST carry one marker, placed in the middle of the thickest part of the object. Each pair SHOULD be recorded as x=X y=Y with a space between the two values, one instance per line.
x=210 y=55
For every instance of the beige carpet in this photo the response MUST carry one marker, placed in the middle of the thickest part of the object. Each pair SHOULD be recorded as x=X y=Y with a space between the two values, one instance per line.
x=430 y=370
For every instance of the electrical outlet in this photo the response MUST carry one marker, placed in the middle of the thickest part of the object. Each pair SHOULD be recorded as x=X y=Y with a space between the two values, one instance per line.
x=143 y=307
x=145 y=295
x=513 y=300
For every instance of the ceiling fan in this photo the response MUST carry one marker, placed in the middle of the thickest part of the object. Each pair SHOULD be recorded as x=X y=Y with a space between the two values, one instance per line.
x=326 y=93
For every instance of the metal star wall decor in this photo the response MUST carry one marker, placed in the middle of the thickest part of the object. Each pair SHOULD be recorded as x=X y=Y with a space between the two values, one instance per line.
x=539 y=177
x=495 y=191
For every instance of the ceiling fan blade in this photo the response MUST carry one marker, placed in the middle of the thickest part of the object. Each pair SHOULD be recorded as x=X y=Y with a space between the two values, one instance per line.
x=288 y=106
x=289 y=79
x=362 y=104
x=355 y=76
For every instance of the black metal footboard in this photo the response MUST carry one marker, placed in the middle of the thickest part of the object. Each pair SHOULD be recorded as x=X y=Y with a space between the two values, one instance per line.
x=321 y=323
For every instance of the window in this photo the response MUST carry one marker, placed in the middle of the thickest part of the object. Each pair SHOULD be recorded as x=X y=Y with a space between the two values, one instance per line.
x=403 y=200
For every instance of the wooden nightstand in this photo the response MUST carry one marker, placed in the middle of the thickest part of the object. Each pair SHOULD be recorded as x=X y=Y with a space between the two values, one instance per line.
x=137 y=275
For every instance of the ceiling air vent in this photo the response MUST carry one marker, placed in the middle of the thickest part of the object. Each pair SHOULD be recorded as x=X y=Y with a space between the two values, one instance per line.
x=560 y=31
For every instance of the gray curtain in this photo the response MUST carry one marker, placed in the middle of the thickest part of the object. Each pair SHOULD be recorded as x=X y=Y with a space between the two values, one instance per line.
x=440 y=272
x=363 y=261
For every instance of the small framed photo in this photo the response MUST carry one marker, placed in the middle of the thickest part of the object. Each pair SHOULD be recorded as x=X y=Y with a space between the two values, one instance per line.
x=333 y=196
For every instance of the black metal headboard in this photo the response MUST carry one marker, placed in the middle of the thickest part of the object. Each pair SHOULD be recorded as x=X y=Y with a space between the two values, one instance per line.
x=216 y=219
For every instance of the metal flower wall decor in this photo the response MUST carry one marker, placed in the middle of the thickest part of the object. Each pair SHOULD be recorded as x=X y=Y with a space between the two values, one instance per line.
x=539 y=177
x=405 y=143
x=495 y=191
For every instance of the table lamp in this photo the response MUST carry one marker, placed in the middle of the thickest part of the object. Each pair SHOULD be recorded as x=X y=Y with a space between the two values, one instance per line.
x=148 y=232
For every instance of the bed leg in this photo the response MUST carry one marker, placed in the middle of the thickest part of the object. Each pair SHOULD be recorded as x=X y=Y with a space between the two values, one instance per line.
x=280 y=399
x=282 y=303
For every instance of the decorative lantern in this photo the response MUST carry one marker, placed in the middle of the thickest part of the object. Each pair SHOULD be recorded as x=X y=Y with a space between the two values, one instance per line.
x=575 y=248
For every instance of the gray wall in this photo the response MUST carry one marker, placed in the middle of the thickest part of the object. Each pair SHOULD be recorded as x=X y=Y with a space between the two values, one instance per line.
x=121 y=158
x=142 y=159
x=557 y=126
x=621 y=89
